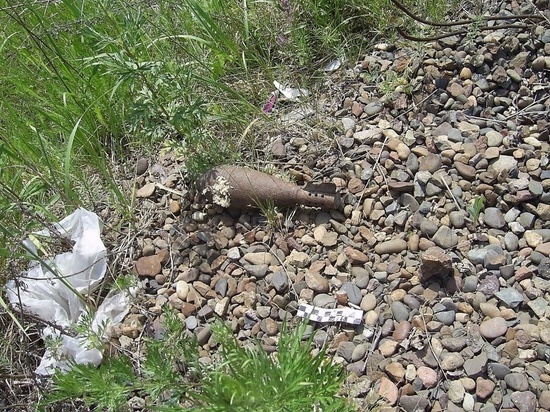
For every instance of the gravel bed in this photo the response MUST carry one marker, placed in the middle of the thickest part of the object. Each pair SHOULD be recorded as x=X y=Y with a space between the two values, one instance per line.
x=455 y=298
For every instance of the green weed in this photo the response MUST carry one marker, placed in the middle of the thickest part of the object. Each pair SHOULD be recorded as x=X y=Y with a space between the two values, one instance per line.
x=250 y=379
x=244 y=379
x=476 y=208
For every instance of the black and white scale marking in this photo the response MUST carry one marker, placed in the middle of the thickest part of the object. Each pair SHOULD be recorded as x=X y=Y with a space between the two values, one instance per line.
x=322 y=315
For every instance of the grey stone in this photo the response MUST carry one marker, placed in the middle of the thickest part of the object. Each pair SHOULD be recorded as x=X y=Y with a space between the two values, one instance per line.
x=446 y=317
x=413 y=403
x=527 y=220
x=373 y=108
x=494 y=218
x=470 y=284
x=353 y=292
x=345 y=350
x=432 y=190
x=412 y=163
x=279 y=280
x=409 y=201
x=538 y=306
x=476 y=366
x=206 y=312
x=348 y=123
x=544 y=268
x=191 y=322
x=258 y=271
x=499 y=370
x=511 y=241
x=320 y=337
x=477 y=256
x=525 y=401
x=411 y=301
x=517 y=381
x=535 y=188
x=324 y=301
x=427 y=227
x=512 y=214
x=221 y=287
x=400 y=311
x=141 y=166
x=445 y=237
x=494 y=138
x=425 y=207
x=359 y=352
x=510 y=297
x=488 y=407
x=203 y=334
x=361 y=276
x=504 y=164
x=507 y=271
x=457 y=219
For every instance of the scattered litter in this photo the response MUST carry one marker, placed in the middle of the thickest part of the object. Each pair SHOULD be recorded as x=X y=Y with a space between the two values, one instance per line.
x=332 y=65
x=322 y=315
x=268 y=107
x=290 y=92
x=55 y=290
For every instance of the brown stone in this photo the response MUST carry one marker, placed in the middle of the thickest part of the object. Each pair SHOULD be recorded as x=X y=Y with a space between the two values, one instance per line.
x=396 y=371
x=355 y=256
x=434 y=261
x=523 y=273
x=164 y=256
x=316 y=282
x=430 y=163
x=402 y=330
x=388 y=390
x=427 y=376
x=355 y=185
x=175 y=207
x=466 y=171
x=484 y=388
x=146 y=191
x=401 y=186
x=149 y=266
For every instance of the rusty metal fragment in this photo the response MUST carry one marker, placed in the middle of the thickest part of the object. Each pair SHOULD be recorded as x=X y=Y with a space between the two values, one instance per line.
x=239 y=187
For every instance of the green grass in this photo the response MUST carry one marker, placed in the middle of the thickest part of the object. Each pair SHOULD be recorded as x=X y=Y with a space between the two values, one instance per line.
x=245 y=379
x=88 y=86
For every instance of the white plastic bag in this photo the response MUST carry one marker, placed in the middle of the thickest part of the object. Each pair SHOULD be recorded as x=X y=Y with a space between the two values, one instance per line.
x=54 y=297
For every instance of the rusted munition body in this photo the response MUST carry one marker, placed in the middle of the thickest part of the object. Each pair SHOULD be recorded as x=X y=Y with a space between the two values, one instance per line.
x=239 y=187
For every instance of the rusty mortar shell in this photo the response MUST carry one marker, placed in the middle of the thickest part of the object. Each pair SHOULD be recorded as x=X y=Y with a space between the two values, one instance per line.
x=243 y=188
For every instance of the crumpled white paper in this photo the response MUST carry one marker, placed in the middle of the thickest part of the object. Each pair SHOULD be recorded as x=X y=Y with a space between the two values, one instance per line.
x=52 y=297
x=290 y=92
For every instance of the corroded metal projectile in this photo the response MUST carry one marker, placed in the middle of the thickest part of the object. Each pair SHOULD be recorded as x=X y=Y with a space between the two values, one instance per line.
x=239 y=187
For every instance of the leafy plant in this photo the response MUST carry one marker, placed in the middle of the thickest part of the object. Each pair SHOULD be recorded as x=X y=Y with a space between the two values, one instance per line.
x=476 y=208
x=105 y=387
x=244 y=379
x=161 y=375
x=292 y=380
